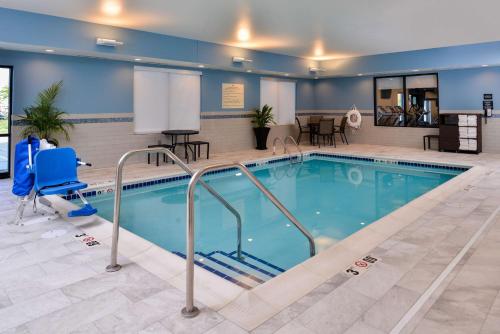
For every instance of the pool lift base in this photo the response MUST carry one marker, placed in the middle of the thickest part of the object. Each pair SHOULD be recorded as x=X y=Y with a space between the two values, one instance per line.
x=112 y=269
x=190 y=314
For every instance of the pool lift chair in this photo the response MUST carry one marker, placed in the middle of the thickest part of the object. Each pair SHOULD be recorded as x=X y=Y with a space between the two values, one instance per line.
x=40 y=173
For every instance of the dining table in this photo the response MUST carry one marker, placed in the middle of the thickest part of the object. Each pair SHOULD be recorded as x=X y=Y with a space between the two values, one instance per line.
x=174 y=136
x=314 y=129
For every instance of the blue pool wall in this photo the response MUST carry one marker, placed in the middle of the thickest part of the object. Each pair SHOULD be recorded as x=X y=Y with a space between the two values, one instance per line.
x=110 y=84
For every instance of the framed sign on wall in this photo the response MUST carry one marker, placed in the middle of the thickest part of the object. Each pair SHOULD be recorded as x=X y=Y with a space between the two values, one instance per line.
x=233 y=96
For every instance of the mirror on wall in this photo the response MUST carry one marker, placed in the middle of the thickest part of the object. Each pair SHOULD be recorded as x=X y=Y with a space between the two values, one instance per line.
x=389 y=107
x=407 y=101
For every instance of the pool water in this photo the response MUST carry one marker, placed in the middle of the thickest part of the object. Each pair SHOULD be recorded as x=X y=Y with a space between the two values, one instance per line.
x=332 y=198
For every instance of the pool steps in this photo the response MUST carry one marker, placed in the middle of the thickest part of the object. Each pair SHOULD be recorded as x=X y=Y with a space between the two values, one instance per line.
x=247 y=272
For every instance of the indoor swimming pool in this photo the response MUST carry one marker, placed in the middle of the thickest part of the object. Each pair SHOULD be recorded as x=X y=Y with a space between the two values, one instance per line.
x=333 y=197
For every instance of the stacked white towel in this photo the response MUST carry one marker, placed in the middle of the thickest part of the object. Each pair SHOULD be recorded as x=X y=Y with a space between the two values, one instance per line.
x=472 y=145
x=464 y=144
x=471 y=132
x=463 y=132
x=472 y=120
x=462 y=120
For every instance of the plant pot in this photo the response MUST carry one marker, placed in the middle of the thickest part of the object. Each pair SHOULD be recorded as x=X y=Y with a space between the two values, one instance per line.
x=261 y=137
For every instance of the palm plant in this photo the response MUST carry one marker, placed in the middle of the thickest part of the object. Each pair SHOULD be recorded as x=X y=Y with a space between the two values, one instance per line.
x=44 y=119
x=263 y=117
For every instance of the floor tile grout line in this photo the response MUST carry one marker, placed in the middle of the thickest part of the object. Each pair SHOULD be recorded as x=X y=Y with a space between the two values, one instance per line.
x=439 y=280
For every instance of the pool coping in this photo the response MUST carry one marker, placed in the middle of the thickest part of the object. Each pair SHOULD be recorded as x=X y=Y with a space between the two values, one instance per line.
x=250 y=308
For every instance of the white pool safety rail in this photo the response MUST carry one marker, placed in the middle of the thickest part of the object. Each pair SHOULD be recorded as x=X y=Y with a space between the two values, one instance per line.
x=285 y=147
x=114 y=266
x=190 y=310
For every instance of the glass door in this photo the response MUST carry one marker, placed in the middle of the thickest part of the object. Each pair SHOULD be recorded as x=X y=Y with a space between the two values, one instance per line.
x=5 y=114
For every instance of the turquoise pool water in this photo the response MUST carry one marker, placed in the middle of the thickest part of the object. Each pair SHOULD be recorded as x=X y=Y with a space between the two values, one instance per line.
x=332 y=198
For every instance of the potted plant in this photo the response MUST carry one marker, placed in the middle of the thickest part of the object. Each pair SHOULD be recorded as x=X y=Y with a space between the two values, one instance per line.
x=44 y=119
x=262 y=118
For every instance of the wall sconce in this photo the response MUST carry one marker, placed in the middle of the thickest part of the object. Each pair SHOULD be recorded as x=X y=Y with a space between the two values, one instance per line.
x=241 y=60
x=108 y=42
x=316 y=69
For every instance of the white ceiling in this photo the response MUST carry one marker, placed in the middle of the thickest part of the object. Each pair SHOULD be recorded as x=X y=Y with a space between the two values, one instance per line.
x=296 y=27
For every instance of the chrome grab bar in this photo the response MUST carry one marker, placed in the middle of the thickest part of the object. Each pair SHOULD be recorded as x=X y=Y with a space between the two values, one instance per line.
x=278 y=139
x=190 y=310
x=290 y=138
x=114 y=266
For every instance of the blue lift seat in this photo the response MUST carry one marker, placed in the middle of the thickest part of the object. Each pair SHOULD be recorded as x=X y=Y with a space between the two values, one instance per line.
x=55 y=174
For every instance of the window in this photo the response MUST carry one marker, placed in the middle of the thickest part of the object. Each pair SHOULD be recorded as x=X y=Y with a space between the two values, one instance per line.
x=5 y=118
x=166 y=99
x=407 y=101
x=280 y=95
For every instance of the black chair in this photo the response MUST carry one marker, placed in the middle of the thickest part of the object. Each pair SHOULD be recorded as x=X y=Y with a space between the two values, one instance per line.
x=165 y=158
x=195 y=148
x=326 y=131
x=313 y=127
x=302 y=129
x=341 y=130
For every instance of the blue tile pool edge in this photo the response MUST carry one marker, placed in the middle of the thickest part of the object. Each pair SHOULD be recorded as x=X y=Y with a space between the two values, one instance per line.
x=178 y=177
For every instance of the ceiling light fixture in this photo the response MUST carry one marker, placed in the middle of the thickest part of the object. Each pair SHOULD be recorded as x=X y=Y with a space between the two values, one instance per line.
x=137 y=59
x=243 y=35
x=108 y=42
x=249 y=71
x=237 y=59
x=201 y=66
x=484 y=65
x=360 y=74
x=415 y=70
x=111 y=8
x=287 y=74
x=49 y=50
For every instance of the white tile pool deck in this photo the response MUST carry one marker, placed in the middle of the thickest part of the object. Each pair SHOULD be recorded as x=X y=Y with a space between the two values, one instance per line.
x=60 y=286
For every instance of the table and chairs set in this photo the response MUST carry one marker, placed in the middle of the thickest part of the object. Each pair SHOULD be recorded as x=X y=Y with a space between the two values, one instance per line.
x=190 y=146
x=318 y=128
x=321 y=129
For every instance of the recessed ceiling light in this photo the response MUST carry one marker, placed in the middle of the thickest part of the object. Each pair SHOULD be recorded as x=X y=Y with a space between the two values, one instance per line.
x=201 y=66
x=415 y=70
x=49 y=50
x=249 y=71
x=360 y=74
x=484 y=65
x=137 y=59
x=243 y=35
x=316 y=78
x=287 y=75
x=111 y=7
x=319 y=50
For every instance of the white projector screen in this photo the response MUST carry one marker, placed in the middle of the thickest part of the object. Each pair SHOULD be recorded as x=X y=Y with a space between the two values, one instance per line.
x=184 y=102
x=281 y=96
x=166 y=99
x=150 y=101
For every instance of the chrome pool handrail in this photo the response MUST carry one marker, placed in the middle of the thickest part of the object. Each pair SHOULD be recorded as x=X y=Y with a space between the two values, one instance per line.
x=114 y=266
x=190 y=310
x=290 y=138
x=278 y=139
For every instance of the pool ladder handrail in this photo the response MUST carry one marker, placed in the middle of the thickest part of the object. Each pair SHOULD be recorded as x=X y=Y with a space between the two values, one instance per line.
x=190 y=310
x=285 y=147
x=290 y=138
x=114 y=266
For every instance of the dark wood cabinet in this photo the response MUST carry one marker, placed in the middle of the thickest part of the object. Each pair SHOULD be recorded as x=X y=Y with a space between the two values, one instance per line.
x=460 y=133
